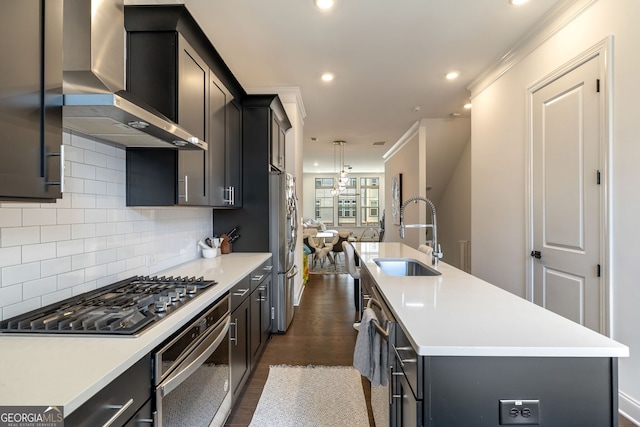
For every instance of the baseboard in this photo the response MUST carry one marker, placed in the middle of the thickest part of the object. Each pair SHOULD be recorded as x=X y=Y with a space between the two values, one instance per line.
x=298 y=297
x=629 y=408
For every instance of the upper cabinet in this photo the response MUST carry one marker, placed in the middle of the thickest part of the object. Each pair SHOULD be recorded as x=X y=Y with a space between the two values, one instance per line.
x=31 y=151
x=225 y=150
x=265 y=126
x=166 y=49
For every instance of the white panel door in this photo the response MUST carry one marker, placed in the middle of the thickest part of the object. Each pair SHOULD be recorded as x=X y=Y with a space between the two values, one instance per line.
x=566 y=196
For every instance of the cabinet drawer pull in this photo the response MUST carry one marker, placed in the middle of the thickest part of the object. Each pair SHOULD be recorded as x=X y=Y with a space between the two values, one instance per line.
x=257 y=278
x=121 y=409
x=240 y=292
x=400 y=359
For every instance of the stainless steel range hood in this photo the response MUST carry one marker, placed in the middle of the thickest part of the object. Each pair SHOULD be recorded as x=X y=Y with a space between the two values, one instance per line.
x=95 y=101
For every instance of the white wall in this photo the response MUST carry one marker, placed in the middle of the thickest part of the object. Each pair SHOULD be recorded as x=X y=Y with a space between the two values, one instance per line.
x=454 y=210
x=434 y=159
x=89 y=238
x=498 y=168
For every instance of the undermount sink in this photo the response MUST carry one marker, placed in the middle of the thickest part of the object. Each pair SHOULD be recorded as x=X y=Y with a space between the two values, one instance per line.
x=405 y=267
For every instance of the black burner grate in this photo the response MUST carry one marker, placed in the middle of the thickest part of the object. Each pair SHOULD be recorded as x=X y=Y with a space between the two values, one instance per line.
x=123 y=308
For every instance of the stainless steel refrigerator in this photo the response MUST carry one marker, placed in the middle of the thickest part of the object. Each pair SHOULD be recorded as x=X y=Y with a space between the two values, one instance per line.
x=283 y=228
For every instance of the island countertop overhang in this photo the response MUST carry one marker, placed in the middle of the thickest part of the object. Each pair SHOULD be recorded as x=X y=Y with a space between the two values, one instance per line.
x=457 y=314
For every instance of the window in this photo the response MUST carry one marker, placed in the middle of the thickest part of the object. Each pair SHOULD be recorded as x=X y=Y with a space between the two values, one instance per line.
x=369 y=201
x=357 y=206
x=324 y=201
x=347 y=205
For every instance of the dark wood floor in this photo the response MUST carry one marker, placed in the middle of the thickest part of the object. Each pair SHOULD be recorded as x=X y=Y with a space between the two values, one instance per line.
x=321 y=334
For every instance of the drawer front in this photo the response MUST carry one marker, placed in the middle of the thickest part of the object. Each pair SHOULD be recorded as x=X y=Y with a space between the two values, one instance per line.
x=259 y=274
x=408 y=360
x=239 y=293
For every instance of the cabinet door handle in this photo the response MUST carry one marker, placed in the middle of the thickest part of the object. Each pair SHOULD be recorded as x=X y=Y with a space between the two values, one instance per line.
x=186 y=189
x=231 y=191
x=61 y=182
x=234 y=338
x=121 y=409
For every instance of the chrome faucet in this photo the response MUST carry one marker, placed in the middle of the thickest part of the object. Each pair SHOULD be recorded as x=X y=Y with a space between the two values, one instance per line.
x=436 y=254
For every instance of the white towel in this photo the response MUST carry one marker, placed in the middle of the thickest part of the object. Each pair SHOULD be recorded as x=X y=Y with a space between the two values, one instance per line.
x=370 y=353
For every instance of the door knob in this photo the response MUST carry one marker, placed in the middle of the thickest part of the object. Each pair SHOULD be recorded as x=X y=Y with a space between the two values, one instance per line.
x=536 y=254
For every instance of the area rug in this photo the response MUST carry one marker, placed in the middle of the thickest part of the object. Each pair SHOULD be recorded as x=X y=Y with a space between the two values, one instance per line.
x=330 y=268
x=304 y=396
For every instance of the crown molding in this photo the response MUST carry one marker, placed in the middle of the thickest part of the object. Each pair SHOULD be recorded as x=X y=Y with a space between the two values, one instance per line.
x=286 y=94
x=404 y=140
x=552 y=22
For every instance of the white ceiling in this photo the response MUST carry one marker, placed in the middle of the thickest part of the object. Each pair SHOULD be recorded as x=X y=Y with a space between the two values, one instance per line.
x=387 y=56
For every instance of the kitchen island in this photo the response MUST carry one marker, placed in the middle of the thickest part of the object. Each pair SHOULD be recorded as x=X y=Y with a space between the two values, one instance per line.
x=478 y=345
x=64 y=370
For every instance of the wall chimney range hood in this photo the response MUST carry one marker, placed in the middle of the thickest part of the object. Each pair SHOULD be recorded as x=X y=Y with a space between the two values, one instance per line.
x=95 y=101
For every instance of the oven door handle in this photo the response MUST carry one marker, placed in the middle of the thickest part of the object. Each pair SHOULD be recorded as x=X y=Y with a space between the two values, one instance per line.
x=197 y=357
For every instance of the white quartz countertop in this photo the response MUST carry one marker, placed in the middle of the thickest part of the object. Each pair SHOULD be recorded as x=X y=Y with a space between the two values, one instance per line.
x=457 y=314
x=68 y=370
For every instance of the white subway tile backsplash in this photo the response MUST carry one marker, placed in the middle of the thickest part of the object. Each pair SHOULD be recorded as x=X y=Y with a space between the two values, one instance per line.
x=72 y=278
x=39 y=287
x=95 y=187
x=55 y=233
x=10 y=256
x=20 y=273
x=89 y=238
x=95 y=216
x=80 y=170
x=70 y=216
x=69 y=247
x=82 y=201
x=38 y=216
x=10 y=295
x=106 y=256
x=38 y=252
x=55 y=267
x=96 y=159
x=83 y=260
x=82 y=231
x=14 y=236
x=21 y=307
x=10 y=217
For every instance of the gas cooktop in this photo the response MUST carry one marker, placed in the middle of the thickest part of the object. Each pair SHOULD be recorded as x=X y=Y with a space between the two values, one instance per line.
x=123 y=308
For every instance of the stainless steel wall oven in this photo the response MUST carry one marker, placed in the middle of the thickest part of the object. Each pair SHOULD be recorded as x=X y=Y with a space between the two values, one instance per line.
x=191 y=372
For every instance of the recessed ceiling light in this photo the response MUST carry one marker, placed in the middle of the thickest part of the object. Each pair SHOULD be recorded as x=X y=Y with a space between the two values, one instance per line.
x=323 y=4
x=327 y=77
x=452 y=75
x=467 y=106
x=517 y=2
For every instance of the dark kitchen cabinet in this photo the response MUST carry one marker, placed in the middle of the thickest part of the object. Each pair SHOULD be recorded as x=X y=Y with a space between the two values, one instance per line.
x=31 y=160
x=165 y=60
x=239 y=357
x=260 y=310
x=277 y=145
x=121 y=402
x=263 y=118
x=167 y=49
x=225 y=156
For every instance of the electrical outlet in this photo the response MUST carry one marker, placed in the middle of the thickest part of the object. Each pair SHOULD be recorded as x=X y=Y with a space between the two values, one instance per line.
x=151 y=260
x=519 y=412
